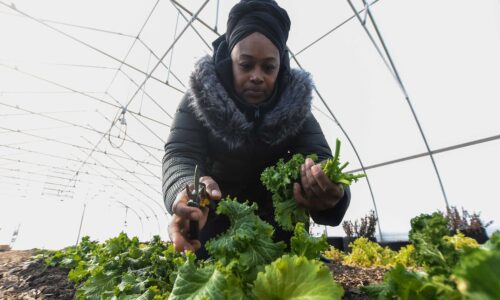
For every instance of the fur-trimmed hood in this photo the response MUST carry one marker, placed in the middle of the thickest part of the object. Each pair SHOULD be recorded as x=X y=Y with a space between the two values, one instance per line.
x=218 y=112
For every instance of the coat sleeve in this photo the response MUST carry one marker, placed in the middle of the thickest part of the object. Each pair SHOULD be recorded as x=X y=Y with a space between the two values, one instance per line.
x=311 y=140
x=185 y=148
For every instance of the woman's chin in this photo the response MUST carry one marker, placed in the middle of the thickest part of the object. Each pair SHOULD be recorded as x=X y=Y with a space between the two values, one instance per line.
x=254 y=100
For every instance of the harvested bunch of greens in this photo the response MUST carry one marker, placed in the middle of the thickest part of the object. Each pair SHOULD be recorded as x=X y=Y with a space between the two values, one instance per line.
x=279 y=179
x=333 y=169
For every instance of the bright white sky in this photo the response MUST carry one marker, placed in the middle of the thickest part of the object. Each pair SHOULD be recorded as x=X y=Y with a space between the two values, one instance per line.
x=61 y=85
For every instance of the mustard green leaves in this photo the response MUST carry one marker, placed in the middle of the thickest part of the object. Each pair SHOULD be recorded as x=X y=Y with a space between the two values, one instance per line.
x=279 y=180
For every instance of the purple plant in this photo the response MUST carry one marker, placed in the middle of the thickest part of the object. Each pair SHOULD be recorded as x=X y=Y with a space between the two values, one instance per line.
x=365 y=227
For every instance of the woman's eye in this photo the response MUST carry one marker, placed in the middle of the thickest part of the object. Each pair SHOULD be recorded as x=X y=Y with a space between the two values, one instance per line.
x=269 y=68
x=245 y=66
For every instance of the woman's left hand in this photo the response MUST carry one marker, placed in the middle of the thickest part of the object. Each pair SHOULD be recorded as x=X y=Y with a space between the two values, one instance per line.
x=319 y=192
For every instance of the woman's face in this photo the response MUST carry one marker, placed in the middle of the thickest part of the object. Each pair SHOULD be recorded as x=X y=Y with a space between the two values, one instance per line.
x=256 y=64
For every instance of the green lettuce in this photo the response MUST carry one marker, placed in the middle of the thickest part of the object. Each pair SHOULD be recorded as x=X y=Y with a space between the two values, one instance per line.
x=455 y=268
x=366 y=253
x=248 y=241
x=121 y=268
x=303 y=244
x=296 y=277
x=432 y=251
x=436 y=254
x=478 y=273
x=208 y=282
x=406 y=285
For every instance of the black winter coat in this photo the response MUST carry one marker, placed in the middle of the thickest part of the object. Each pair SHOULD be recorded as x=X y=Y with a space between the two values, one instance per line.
x=210 y=131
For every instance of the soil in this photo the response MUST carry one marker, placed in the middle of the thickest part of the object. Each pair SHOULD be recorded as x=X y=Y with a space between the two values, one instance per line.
x=21 y=277
x=352 y=278
x=27 y=279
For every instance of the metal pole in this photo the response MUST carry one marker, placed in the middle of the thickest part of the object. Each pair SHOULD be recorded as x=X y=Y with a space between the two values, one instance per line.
x=125 y=222
x=394 y=72
x=172 y=52
x=217 y=17
x=15 y=235
x=350 y=142
x=81 y=222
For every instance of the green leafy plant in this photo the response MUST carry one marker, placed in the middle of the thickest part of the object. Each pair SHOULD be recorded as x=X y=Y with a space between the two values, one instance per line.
x=406 y=285
x=120 y=268
x=432 y=251
x=244 y=260
x=296 y=277
x=279 y=179
x=366 y=253
x=477 y=274
x=247 y=263
x=248 y=241
x=454 y=267
x=70 y=257
x=303 y=244
x=333 y=169
x=334 y=254
x=211 y=281
x=405 y=257
x=461 y=242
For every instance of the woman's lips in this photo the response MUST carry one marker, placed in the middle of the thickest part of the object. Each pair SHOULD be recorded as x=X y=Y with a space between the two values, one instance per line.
x=254 y=93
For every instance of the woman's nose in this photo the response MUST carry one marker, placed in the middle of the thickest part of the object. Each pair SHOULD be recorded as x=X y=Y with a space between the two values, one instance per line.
x=256 y=77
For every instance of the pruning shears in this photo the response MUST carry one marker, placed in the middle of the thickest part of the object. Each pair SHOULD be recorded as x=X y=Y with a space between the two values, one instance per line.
x=198 y=197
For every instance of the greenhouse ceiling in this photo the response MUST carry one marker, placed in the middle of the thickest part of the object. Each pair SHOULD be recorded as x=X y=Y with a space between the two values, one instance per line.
x=88 y=90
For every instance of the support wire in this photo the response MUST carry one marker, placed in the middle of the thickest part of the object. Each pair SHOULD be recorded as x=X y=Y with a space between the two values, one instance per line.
x=393 y=70
x=352 y=145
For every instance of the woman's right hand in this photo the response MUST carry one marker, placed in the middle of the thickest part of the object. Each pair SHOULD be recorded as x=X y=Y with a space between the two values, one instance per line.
x=178 y=229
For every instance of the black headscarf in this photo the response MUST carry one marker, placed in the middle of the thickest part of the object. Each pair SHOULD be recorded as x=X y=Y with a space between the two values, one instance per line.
x=245 y=18
x=264 y=16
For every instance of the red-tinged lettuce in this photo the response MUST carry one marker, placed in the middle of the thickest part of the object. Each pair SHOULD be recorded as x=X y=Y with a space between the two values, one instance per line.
x=205 y=282
x=248 y=241
x=296 y=277
x=303 y=244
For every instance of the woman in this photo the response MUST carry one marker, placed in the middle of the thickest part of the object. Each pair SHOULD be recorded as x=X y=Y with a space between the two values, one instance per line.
x=244 y=110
